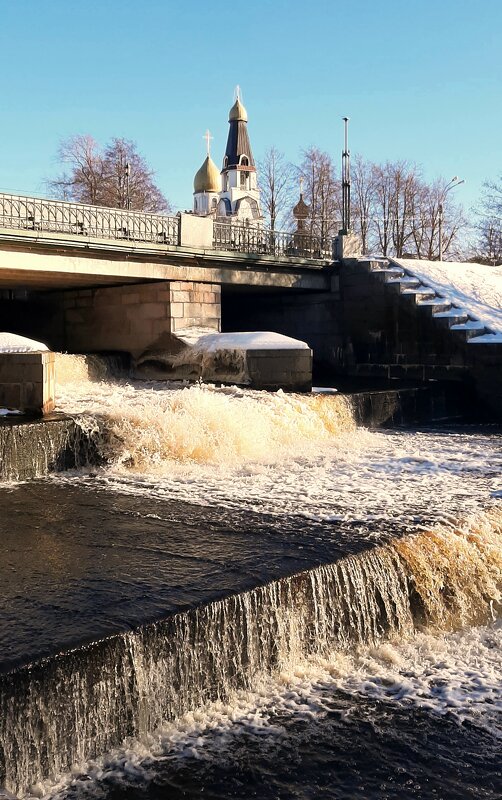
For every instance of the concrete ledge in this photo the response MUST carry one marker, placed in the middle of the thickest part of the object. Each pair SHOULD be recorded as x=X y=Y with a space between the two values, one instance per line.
x=289 y=370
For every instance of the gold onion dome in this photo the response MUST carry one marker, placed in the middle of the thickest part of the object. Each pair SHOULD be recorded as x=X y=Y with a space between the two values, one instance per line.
x=207 y=179
x=238 y=112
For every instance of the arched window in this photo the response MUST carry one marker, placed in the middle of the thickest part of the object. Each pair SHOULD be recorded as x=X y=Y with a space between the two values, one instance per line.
x=195 y=204
x=244 y=180
x=214 y=202
x=225 y=162
x=244 y=161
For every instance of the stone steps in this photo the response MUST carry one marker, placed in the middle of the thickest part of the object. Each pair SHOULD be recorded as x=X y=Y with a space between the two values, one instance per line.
x=446 y=314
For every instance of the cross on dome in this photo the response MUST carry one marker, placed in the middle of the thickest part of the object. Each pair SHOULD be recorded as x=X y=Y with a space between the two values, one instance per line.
x=207 y=136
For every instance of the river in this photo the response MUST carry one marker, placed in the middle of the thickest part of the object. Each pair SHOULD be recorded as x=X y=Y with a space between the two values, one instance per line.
x=253 y=598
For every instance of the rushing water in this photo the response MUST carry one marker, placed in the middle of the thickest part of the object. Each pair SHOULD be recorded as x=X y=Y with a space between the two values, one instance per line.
x=371 y=670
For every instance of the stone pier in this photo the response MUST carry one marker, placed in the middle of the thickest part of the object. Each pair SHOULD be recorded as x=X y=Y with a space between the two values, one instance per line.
x=27 y=382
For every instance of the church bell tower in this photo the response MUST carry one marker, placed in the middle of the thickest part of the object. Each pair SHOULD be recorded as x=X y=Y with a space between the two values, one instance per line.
x=240 y=196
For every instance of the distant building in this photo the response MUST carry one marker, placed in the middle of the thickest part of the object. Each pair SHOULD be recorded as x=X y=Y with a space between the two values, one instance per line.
x=233 y=194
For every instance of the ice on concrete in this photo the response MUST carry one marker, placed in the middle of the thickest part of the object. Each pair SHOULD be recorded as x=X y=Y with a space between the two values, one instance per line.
x=13 y=343
x=473 y=288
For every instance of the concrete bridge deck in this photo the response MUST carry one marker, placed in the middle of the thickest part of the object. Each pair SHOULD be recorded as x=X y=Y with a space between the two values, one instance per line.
x=44 y=260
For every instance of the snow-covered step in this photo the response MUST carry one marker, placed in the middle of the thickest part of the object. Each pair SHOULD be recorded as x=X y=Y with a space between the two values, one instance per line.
x=487 y=338
x=473 y=327
x=376 y=263
x=403 y=280
x=453 y=316
x=395 y=272
x=436 y=305
x=389 y=274
x=420 y=293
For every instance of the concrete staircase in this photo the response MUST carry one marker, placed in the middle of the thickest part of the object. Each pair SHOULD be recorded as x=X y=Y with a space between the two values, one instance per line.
x=399 y=329
x=444 y=312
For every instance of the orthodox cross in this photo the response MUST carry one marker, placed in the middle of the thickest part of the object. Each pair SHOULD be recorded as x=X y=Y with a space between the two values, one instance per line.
x=207 y=136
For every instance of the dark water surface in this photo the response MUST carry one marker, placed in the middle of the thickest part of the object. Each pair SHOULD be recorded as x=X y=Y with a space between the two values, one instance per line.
x=368 y=751
x=80 y=562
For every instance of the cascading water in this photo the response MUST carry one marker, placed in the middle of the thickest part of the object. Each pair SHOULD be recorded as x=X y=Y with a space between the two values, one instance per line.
x=424 y=507
x=73 y=706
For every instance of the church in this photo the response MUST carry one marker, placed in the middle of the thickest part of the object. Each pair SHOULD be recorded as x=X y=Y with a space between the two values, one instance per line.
x=231 y=195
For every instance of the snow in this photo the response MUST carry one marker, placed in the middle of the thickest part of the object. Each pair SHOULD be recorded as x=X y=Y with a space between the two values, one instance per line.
x=13 y=343
x=475 y=288
x=252 y=340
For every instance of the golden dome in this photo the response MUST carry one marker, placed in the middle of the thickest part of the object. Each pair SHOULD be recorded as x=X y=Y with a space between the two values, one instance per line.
x=238 y=112
x=207 y=179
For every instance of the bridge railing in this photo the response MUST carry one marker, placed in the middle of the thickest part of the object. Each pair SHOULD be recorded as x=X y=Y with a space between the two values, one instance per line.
x=36 y=214
x=244 y=239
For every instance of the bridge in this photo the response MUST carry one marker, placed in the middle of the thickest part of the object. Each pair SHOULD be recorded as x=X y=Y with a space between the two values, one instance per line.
x=91 y=279
x=49 y=244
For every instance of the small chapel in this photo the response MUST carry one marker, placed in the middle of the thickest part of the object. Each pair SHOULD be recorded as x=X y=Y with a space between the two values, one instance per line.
x=231 y=195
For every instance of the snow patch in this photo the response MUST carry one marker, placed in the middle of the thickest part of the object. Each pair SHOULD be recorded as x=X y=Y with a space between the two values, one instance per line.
x=252 y=340
x=13 y=343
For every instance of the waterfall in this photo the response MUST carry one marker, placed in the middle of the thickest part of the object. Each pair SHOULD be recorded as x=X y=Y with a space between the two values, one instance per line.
x=70 y=707
x=33 y=449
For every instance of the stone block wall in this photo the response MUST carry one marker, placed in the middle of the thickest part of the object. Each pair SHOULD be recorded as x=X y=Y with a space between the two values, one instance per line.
x=135 y=317
x=27 y=382
x=195 y=305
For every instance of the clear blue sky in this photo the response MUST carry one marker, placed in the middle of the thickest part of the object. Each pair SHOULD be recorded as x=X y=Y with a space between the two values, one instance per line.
x=419 y=80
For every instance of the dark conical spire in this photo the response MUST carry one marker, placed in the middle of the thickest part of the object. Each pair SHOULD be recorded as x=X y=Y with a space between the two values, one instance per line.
x=238 y=144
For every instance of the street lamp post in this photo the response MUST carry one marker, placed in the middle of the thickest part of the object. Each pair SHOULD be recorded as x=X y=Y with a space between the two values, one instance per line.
x=451 y=185
x=128 y=196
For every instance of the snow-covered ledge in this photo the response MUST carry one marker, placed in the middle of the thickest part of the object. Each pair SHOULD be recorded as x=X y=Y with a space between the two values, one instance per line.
x=258 y=359
x=27 y=376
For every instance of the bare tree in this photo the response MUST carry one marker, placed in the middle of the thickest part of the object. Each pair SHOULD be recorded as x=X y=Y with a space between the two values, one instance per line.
x=363 y=198
x=383 y=207
x=489 y=227
x=117 y=177
x=85 y=176
x=129 y=180
x=275 y=181
x=322 y=192
x=425 y=229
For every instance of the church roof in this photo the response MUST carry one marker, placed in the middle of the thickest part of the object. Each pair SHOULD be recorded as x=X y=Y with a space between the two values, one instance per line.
x=238 y=140
x=301 y=210
x=207 y=178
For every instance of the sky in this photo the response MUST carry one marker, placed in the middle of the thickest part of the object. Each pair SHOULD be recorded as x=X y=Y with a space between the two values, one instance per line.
x=420 y=81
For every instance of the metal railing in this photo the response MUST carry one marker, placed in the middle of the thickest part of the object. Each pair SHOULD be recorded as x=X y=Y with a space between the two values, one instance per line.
x=79 y=219
x=247 y=239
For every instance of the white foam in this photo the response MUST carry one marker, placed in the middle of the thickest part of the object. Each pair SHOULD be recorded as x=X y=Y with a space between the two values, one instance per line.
x=282 y=454
x=455 y=675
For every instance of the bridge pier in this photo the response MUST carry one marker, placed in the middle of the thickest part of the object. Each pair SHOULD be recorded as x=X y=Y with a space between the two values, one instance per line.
x=134 y=317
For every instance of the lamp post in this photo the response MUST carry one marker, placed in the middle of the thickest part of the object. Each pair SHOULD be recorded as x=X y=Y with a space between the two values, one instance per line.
x=346 y=179
x=449 y=186
x=128 y=196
